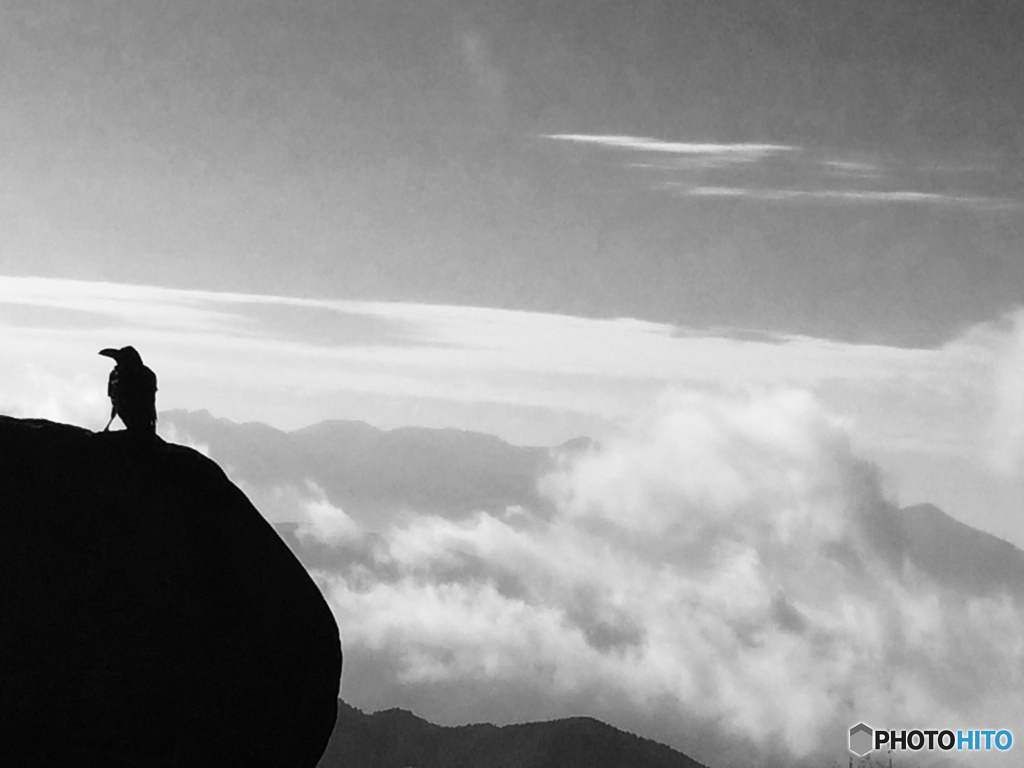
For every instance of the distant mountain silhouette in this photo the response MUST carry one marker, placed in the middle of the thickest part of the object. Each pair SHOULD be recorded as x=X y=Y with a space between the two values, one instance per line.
x=959 y=556
x=148 y=614
x=451 y=472
x=363 y=469
x=396 y=738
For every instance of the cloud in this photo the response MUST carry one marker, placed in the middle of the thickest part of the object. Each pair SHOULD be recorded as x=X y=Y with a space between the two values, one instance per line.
x=941 y=420
x=28 y=390
x=643 y=144
x=751 y=171
x=844 y=195
x=445 y=337
x=685 y=156
x=253 y=357
x=141 y=305
x=727 y=566
x=306 y=504
x=325 y=522
x=172 y=434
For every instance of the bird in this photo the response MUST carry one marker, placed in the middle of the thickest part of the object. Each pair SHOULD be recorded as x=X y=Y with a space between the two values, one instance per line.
x=132 y=391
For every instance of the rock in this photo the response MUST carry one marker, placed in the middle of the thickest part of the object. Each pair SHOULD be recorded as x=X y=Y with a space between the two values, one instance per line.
x=149 y=616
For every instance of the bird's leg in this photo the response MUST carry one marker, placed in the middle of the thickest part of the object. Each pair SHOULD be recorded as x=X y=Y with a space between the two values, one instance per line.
x=113 y=413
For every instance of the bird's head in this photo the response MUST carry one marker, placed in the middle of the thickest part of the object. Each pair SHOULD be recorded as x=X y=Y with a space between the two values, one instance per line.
x=124 y=356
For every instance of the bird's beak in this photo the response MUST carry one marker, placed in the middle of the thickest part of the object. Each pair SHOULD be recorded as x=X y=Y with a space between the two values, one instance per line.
x=109 y=353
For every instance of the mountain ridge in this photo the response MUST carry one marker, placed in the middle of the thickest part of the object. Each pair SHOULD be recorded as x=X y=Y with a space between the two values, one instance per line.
x=373 y=472
x=397 y=738
x=457 y=473
x=175 y=415
x=957 y=554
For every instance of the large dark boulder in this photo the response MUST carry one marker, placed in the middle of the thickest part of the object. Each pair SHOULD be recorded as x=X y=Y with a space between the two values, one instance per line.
x=149 y=616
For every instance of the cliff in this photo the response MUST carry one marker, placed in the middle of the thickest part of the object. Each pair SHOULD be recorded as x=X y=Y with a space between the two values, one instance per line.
x=148 y=614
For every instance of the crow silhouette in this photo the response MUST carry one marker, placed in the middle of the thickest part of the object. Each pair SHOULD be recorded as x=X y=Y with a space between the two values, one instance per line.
x=132 y=391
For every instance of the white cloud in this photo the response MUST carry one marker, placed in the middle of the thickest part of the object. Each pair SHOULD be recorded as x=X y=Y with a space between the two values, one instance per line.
x=172 y=434
x=305 y=504
x=749 y=151
x=680 y=156
x=139 y=305
x=726 y=564
x=842 y=195
x=28 y=390
x=685 y=168
x=231 y=354
x=323 y=521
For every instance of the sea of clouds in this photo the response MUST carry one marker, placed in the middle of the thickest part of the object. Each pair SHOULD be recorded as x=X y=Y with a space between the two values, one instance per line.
x=725 y=575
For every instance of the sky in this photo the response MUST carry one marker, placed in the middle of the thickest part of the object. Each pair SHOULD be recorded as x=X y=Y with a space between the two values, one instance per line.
x=528 y=218
x=847 y=170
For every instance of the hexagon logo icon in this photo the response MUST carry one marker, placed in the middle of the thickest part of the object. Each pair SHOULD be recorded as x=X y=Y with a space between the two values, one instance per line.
x=861 y=738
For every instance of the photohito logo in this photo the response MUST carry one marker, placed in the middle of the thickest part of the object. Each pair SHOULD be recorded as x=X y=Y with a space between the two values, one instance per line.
x=860 y=739
x=865 y=739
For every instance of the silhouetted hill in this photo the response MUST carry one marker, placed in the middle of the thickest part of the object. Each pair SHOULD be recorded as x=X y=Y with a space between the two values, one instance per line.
x=149 y=616
x=398 y=739
x=959 y=556
x=363 y=469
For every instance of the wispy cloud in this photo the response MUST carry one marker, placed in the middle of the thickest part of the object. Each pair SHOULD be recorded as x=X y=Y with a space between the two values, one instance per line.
x=646 y=144
x=852 y=168
x=425 y=335
x=235 y=355
x=707 y=151
x=844 y=196
x=785 y=173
